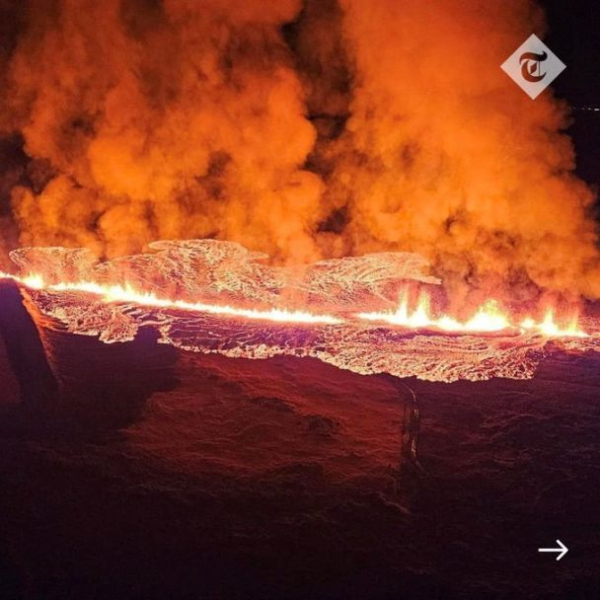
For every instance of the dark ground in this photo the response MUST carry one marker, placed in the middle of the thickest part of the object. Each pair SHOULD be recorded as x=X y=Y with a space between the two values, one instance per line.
x=281 y=478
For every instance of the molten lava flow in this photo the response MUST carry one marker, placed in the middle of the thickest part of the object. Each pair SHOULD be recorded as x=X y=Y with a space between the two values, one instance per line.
x=488 y=318
x=126 y=293
x=549 y=327
x=215 y=297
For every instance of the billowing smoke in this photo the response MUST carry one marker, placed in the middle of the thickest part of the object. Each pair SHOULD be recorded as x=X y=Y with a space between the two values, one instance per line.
x=171 y=119
x=302 y=129
x=444 y=155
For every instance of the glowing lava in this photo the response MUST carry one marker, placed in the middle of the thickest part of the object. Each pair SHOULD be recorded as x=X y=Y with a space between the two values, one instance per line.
x=126 y=293
x=488 y=318
x=549 y=327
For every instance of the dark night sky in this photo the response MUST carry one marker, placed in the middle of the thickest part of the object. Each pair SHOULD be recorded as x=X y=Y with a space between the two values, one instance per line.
x=574 y=35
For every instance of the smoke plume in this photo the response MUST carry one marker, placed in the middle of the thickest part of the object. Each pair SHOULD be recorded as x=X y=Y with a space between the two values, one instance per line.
x=302 y=129
x=160 y=120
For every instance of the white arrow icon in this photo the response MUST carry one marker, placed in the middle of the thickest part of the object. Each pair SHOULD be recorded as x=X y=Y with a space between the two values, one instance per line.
x=562 y=550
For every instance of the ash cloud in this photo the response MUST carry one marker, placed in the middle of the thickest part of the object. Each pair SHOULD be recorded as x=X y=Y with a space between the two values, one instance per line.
x=305 y=130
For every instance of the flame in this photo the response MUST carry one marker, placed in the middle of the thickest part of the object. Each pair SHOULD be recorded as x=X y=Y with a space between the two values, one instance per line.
x=549 y=327
x=488 y=318
x=126 y=293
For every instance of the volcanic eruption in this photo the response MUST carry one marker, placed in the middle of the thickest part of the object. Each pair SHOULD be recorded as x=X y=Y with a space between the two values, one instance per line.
x=302 y=130
x=252 y=253
x=341 y=171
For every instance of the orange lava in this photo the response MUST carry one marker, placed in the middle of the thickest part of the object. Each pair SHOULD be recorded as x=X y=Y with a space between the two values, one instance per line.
x=488 y=318
x=126 y=293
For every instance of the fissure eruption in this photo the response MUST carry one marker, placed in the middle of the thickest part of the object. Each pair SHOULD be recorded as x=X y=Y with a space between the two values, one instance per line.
x=373 y=314
x=321 y=136
x=488 y=317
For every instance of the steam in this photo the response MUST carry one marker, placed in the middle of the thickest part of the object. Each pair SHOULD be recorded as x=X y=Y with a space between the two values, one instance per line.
x=303 y=130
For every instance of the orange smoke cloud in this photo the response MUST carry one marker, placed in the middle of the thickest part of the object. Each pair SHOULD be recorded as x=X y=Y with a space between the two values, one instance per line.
x=446 y=156
x=302 y=129
x=163 y=120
